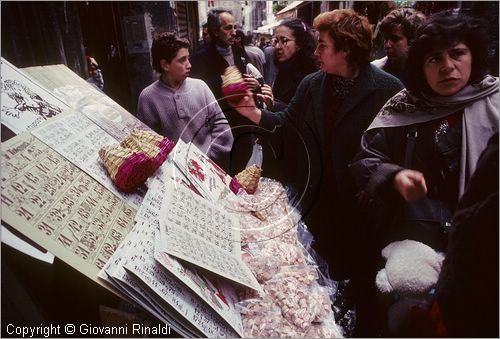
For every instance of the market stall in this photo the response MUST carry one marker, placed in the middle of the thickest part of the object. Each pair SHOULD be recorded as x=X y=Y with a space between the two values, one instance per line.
x=202 y=255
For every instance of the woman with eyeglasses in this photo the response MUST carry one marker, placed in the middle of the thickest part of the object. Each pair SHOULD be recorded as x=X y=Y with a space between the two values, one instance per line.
x=323 y=124
x=293 y=57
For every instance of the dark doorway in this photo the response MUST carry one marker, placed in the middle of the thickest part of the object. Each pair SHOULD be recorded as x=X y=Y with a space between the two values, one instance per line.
x=42 y=33
x=103 y=38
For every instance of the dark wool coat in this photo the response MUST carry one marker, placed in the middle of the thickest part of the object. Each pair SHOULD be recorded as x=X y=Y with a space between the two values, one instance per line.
x=467 y=288
x=383 y=154
x=208 y=65
x=289 y=75
x=327 y=199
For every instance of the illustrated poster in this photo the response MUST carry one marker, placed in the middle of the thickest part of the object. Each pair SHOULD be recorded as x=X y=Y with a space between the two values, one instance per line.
x=25 y=103
x=204 y=173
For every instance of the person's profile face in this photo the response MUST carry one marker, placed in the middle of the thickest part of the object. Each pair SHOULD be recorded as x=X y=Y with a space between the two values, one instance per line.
x=178 y=69
x=448 y=70
x=396 y=44
x=227 y=31
x=332 y=60
x=204 y=35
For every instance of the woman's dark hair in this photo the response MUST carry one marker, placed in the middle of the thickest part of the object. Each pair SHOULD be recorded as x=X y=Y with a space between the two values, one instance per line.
x=350 y=31
x=241 y=35
x=166 y=46
x=444 y=30
x=304 y=39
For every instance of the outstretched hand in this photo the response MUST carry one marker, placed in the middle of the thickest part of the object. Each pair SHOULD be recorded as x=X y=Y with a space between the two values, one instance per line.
x=246 y=107
x=250 y=81
x=267 y=95
x=410 y=184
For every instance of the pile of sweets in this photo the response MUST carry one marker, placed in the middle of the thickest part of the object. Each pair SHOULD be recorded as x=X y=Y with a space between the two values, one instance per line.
x=136 y=158
x=293 y=303
x=233 y=86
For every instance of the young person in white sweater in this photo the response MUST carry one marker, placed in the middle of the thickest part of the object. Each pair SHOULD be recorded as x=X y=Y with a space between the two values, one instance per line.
x=180 y=107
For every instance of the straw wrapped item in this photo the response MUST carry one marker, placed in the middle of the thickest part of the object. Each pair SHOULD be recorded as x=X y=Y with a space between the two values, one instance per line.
x=152 y=144
x=127 y=168
x=233 y=86
x=248 y=179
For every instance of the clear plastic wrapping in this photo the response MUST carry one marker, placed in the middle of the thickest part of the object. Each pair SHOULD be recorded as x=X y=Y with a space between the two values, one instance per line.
x=297 y=296
x=263 y=267
x=300 y=301
x=263 y=319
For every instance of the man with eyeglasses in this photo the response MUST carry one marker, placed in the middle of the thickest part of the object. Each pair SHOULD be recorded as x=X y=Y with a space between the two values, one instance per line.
x=209 y=63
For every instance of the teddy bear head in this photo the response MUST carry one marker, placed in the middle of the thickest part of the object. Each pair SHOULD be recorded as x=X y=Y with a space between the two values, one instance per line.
x=412 y=268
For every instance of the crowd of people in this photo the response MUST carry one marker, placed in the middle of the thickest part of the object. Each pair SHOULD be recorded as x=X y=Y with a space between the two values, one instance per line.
x=371 y=151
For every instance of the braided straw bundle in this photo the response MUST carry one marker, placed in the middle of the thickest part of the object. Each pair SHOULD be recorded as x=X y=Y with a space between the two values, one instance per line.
x=152 y=144
x=137 y=157
x=233 y=86
x=248 y=179
x=147 y=136
x=138 y=145
x=127 y=168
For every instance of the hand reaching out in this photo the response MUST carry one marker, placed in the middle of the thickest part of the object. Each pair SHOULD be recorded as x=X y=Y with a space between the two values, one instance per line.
x=267 y=95
x=410 y=184
x=246 y=107
x=250 y=81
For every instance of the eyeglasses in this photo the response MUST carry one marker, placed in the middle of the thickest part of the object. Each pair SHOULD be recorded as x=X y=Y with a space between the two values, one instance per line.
x=281 y=40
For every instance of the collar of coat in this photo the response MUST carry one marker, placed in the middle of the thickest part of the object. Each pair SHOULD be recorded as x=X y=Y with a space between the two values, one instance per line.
x=240 y=58
x=364 y=84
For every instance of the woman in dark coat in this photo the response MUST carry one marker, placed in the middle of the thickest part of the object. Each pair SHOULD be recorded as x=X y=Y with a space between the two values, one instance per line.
x=324 y=122
x=450 y=108
x=467 y=288
x=448 y=114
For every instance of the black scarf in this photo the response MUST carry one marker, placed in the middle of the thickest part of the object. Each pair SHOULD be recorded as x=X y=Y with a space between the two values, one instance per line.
x=340 y=87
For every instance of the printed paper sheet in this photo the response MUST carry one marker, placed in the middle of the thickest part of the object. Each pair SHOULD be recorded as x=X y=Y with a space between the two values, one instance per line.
x=85 y=98
x=124 y=282
x=196 y=230
x=218 y=294
x=54 y=76
x=210 y=180
x=136 y=256
x=168 y=171
x=60 y=207
x=78 y=139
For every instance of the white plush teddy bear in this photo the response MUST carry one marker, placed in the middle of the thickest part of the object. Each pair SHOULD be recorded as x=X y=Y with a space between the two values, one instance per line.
x=412 y=268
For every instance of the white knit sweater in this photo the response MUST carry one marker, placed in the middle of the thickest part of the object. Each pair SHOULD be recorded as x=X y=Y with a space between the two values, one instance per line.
x=190 y=113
